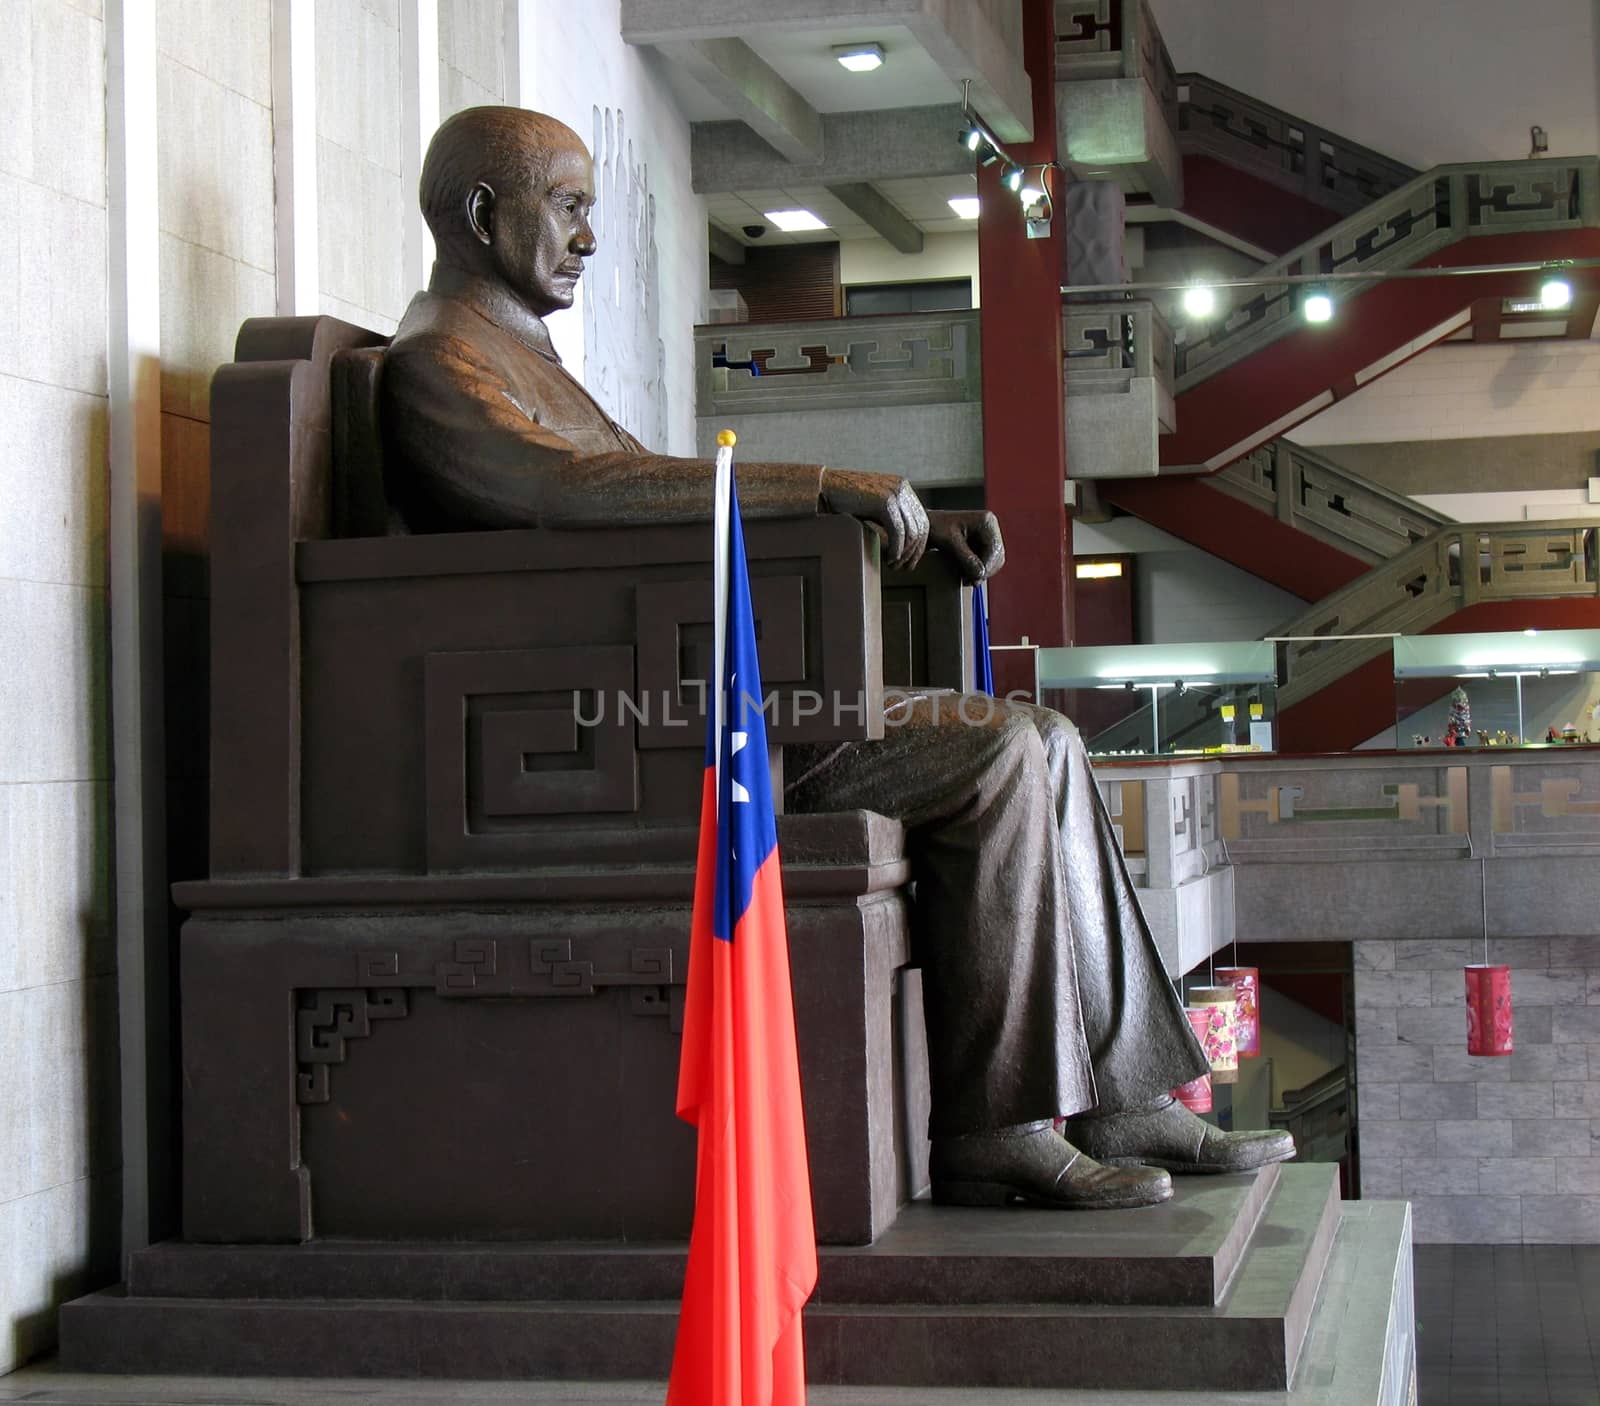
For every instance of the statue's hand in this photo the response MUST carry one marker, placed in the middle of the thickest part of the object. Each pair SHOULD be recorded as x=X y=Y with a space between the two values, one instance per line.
x=972 y=538
x=887 y=504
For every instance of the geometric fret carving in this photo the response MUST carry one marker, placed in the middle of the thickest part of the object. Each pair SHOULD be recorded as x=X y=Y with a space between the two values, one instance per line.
x=481 y=966
x=475 y=957
x=564 y=975
x=326 y=1021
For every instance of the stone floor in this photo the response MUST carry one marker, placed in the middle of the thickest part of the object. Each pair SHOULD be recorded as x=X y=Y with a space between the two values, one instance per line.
x=1507 y=1325
x=1496 y=1326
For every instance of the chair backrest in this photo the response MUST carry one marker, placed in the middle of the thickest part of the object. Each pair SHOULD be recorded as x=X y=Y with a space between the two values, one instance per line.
x=363 y=505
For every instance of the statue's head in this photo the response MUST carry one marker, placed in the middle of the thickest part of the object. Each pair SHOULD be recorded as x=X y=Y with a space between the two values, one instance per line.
x=507 y=194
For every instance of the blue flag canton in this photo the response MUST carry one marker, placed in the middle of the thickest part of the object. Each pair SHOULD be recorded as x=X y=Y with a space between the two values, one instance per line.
x=747 y=833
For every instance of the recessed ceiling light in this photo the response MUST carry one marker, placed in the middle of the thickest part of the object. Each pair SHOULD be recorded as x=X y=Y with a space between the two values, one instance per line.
x=859 y=58
x=794 y=221
x=965 y=205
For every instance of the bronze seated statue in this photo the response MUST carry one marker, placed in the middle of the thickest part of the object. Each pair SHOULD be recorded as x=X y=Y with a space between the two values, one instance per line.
x=1042 y=989
x=430 y=988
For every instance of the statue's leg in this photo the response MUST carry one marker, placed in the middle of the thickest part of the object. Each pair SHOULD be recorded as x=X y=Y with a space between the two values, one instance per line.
x=1138 y=1037
x=970 y=780
x=1139 y=1041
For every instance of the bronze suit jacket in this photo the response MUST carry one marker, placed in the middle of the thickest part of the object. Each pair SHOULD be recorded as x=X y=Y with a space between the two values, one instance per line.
x=484 y=427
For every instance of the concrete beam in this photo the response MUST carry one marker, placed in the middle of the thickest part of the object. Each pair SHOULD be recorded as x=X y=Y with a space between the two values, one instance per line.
x=724 y=246
x=866 y=200
x=727 y=157
x=755 y=92
x=980 y=40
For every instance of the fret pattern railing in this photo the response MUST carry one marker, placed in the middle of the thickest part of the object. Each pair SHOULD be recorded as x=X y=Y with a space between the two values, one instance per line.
x=1109 y=345
x=1298 y=156
x=1439 y=208
x=898 y=360
x=1454 y=567
x=1314 y=495
x=1116 y=39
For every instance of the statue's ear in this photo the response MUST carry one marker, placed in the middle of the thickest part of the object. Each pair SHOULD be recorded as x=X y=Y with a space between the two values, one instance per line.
x=480 y=212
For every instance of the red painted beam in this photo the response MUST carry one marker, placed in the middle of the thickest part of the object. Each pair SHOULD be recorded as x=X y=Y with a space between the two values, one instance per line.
x=1224 y=411
x=1024 y=406
x=1250 y=208
x=1189 y=508
x=1361 y=704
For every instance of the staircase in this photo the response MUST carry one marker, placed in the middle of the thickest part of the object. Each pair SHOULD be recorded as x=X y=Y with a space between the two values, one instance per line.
x=1221 y=1284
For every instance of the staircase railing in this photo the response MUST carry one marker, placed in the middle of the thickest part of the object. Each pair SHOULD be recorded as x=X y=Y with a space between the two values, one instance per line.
x=1295 y=155
x=1455 y=566
x=895 y=360
x=1116 y=39
x=1452 y=568
x=1314 y=495
x=1437 y=209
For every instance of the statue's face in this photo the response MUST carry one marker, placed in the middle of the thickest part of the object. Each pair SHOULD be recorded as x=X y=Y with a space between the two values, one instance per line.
x=541 y=231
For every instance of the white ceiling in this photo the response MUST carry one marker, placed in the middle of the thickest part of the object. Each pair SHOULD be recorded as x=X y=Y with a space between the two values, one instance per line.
x=805 y=61
x=923 y=200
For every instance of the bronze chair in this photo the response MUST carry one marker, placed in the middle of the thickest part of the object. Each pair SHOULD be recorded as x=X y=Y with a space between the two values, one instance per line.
x=431 y=986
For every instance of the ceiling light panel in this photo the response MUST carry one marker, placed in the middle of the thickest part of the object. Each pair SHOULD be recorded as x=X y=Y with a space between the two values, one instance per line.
x=794 y=221
x=859 y=58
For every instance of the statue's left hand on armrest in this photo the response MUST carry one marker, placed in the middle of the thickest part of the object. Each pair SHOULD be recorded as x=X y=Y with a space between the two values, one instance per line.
x=971 y=538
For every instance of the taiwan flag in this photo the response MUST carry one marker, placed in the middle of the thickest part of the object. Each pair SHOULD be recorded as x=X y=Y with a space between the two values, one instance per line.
x=752 y=1252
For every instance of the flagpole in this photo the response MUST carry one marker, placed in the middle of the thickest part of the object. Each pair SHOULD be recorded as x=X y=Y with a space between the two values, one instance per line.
x=720 y=514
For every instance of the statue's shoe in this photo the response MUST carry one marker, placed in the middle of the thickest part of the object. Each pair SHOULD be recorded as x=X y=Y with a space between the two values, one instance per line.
x=1166 y=1134
x=1033 y=1165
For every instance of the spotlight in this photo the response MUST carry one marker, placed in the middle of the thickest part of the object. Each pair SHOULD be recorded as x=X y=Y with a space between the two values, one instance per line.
x=859 y=58
x=1013 y=178
x=1030 y=195
x=972 y=138
x=1555 y=293
x=1318 y=307
x=1199 y=301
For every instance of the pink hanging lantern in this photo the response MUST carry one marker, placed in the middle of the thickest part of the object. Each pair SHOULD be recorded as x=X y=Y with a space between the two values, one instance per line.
x=1219 y=1042
x=1246 y=983
x=1196 y=1094
x=1488 y=1010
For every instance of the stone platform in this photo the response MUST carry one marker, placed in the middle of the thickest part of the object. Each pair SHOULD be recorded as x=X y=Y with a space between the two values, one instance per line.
x=1216 y=1286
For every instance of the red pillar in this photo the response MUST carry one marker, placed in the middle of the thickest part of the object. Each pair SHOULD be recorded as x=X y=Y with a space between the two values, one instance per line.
x=1024 y=414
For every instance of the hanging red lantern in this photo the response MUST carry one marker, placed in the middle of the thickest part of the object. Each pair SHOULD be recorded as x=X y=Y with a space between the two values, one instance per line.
x=1196 y=1094
x=1488 y=1010
x=1219 y=1042
x=1246 y=983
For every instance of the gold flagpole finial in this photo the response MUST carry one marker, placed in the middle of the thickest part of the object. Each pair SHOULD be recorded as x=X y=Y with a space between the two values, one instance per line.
x=726 y=439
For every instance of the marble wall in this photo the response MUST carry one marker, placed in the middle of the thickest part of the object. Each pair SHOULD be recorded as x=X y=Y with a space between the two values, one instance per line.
x=58 y=1091
x=636 y=353
x=360 y=196
x=1488 y=1150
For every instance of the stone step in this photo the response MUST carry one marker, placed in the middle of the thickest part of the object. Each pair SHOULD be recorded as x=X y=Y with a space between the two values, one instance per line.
x=1251 y=1340
x=1183 y=1253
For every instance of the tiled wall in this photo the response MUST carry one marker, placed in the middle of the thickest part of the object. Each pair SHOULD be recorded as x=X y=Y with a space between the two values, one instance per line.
x=1488 y=1150
x=58 y=1103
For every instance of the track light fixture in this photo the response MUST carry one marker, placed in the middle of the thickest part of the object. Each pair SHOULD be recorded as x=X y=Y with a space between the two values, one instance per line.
x=1013 y=178
x=1318 y=306
x=1199 y=300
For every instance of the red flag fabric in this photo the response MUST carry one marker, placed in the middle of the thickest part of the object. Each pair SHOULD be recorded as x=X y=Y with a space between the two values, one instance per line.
x=752 y=1251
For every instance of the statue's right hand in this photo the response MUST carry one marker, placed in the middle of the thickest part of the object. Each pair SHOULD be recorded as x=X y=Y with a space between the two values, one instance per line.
x=887 y=504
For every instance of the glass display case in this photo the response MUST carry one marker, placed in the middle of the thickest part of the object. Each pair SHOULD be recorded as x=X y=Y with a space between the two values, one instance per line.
x=1503 y=689
x=1167 y=699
